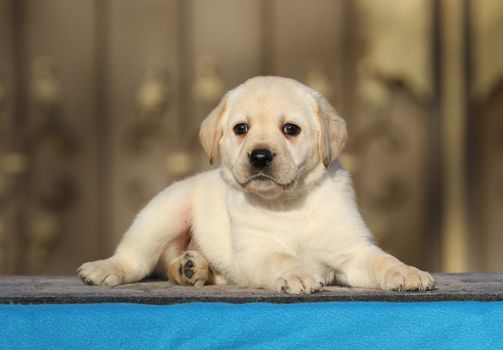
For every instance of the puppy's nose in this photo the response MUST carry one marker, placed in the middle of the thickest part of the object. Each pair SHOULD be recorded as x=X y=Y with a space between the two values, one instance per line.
x=260 y=158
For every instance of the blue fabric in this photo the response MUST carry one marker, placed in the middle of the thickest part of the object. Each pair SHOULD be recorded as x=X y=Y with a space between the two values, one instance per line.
x=343 y=325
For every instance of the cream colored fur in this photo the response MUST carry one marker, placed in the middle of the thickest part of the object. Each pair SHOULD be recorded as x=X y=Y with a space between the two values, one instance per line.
x=293 y=228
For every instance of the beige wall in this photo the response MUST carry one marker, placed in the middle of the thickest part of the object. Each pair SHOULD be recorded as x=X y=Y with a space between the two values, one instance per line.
x=100 y=103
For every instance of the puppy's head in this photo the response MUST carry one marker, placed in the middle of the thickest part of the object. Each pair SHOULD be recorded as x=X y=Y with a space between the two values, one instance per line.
x=273 y=136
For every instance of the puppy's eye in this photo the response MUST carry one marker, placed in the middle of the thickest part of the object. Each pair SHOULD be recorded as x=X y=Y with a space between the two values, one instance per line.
x=291 y=129
x=241 y=129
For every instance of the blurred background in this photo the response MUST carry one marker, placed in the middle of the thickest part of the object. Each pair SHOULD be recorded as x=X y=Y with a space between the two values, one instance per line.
x=101 y=101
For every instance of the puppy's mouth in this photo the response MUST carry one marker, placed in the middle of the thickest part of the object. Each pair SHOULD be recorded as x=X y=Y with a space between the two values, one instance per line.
x=267 y=180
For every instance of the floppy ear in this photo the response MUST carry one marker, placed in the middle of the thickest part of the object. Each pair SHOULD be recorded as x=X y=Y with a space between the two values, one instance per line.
x=211 y=130
x=333 y=133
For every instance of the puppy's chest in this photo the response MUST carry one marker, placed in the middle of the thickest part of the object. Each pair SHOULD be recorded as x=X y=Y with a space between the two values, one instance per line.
x=250 y=222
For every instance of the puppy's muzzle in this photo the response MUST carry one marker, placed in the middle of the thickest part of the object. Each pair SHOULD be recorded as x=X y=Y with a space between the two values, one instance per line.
x=260 y=158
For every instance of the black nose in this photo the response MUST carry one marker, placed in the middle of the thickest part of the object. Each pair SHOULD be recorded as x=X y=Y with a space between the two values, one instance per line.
x=260 y=158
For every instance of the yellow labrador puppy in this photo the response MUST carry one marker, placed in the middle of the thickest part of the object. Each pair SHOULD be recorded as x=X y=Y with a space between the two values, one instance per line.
x=278 y=213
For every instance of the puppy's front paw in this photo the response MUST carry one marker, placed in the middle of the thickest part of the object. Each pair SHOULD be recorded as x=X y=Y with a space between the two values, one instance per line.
x=101 y=272
x=189 y=269
x=298 y=283
x=404 y=277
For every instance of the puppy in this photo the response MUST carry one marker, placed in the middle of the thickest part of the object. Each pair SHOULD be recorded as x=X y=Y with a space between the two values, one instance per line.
x=278 y=213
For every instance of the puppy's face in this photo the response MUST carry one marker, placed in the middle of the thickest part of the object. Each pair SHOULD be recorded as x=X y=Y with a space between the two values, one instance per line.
x=269 y=138
x=270 y=135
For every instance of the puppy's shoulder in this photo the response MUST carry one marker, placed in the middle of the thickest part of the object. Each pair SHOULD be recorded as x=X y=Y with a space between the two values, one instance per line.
x=208 y=184
x=339 y=176
x=207 y=179
x=335 y=187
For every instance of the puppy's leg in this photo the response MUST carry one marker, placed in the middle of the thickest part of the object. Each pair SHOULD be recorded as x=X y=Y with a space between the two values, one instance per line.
x=357 y=261
x=290 y=277
x=277 y=271
x=190 y=268
x=370 y=267
x=163 y=221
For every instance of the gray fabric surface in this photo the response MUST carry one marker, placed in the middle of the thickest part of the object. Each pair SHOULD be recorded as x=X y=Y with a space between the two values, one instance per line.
x=60 y=290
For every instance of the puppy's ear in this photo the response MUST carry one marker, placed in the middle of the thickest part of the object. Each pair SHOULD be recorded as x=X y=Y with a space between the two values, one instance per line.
x=211 y=130
x=333 y=133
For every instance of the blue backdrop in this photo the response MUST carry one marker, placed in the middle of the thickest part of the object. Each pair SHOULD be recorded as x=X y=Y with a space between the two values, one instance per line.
x=343 y=325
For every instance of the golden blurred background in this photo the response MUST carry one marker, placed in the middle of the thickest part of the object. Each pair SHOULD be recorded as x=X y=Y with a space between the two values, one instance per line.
x=101 y=100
